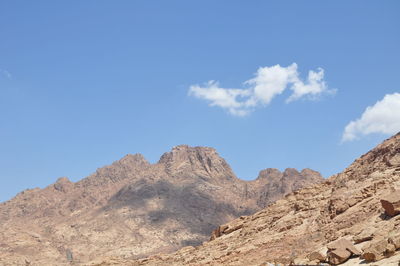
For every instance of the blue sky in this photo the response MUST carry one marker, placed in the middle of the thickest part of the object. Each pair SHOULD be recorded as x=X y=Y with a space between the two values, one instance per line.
x=82 y=83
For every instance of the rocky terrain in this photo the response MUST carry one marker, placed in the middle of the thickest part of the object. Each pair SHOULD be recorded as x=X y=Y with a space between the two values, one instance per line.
x=132 y=209
x=351 y=218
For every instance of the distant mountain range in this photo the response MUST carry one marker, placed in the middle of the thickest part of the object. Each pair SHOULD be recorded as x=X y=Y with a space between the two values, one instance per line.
x=132 y=209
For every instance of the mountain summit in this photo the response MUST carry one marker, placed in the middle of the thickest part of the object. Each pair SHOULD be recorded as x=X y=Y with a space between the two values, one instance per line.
x=200 y=161
x=351 y=218
x=133 y=209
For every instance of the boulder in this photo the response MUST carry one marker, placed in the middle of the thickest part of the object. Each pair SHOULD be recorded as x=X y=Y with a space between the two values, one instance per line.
x=341 y=250
x=344 y=244
x=319 y=254
x=377 y=250
x=338 y=256
x=391 y=203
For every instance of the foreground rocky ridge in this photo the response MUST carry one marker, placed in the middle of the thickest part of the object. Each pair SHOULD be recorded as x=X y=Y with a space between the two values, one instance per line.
x=350 y=218
x=132 y=209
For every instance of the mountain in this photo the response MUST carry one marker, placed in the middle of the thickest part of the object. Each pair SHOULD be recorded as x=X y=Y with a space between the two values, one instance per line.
x=351 y=218
x=133 y=209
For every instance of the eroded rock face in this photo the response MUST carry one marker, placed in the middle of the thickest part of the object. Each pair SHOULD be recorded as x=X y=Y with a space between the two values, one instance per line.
x=271 y=184
x=134 y=209
x=391 y=203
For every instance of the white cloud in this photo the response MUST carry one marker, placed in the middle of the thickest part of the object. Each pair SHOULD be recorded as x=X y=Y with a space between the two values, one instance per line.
x=225 y=98
x=315 y=86
x=382 y=117
x=272 y=81
x=267 y=83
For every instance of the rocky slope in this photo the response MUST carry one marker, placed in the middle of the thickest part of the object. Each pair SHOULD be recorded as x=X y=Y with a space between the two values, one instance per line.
x=132 y=209
x=350 y=218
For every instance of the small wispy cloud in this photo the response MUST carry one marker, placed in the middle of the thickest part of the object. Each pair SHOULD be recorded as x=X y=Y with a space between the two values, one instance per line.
x=267 y=83
x=5 y=73
x=383 y=117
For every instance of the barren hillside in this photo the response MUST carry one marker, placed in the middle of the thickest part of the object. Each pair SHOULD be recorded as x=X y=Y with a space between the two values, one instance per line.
x=133 y=209
x=352 y=215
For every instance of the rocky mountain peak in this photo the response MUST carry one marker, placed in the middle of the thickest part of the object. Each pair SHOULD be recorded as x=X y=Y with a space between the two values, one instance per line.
x=202 y=161
x=269 y=172
x=63 y=180
x=183 y=153
x=273 y=183
x=384 y=157
x=308 y=171
x=132 y=159
x=63 y=184
x=290 y=172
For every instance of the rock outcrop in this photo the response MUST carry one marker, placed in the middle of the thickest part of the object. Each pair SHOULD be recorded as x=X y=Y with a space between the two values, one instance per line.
x=378 y=250
x=271 y=184
x=133 y=209
x=391 y=203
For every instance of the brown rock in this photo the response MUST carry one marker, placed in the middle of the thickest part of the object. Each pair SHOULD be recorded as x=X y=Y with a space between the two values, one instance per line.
x=375 y=251
x=366 y=235
x=218 y=232
x=390 y=250
x=395 y=240
x=338 y=256
x=320 y=254
x=391 y=203
x=344 y=244
x=337 y=206
x=340 y=250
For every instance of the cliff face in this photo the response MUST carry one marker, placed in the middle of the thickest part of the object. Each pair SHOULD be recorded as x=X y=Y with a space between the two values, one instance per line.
x=133 y=209
x=354 y=213
x=271 y=184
